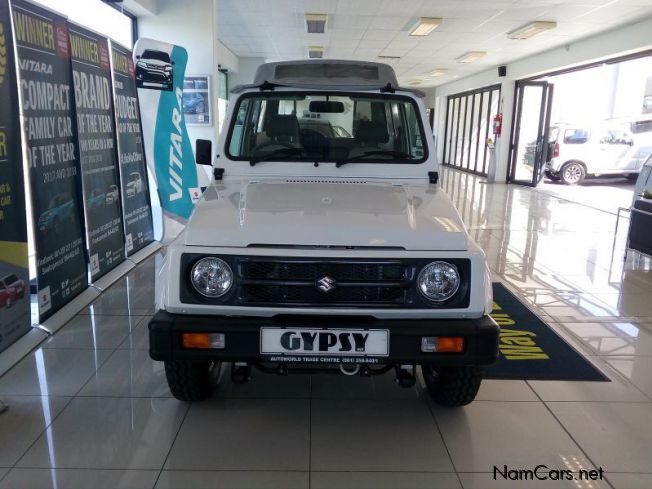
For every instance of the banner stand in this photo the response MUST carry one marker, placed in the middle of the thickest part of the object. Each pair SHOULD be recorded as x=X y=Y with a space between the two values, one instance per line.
x=21 y=348
x=112 y=276
x=145 y=252
x=55 y=322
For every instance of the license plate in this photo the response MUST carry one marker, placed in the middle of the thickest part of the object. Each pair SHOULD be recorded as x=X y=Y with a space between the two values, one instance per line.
x=325 y=342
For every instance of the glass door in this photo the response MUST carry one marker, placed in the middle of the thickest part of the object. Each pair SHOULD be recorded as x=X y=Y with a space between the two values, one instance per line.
x=529 y=145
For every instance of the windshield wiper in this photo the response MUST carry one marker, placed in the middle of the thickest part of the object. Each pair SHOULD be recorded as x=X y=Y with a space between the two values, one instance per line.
x=275 y=154
x=394 y=154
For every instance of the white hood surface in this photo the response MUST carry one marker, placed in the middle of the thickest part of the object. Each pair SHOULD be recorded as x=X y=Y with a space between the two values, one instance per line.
x=326 y=212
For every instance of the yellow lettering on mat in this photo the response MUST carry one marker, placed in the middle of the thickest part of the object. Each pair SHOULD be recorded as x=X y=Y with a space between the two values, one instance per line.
x=516 y=344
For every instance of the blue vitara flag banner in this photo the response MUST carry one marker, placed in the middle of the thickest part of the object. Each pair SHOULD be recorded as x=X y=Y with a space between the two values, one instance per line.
x=160 y=72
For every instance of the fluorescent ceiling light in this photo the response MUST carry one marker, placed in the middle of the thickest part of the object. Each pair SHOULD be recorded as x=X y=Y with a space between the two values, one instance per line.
x=316 y=23
x=315 y=52
x=414 y=82
x=531 y=30
x=425 y=26
x=471 y=56
x=438 y=72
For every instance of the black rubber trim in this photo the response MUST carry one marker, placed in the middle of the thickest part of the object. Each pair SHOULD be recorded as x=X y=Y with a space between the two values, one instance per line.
x=243 y=336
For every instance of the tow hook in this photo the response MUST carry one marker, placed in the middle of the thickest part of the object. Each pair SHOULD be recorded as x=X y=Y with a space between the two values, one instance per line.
x=240 y=373
x=354 y=371
x=405 y=375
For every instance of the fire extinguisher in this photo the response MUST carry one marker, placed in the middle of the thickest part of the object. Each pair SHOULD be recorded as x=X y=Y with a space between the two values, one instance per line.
x=498 y=125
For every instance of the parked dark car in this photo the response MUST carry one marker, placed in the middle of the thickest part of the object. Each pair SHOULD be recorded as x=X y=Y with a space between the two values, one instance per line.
x=154 y=70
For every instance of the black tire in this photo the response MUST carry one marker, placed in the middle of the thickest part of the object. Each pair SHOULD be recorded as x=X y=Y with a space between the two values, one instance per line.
x=572 y=173
x=452 y=386
x=552 y=176
x=192 y=381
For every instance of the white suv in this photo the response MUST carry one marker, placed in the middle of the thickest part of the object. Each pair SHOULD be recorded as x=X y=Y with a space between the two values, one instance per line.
x=576 y=151
x=325 y=251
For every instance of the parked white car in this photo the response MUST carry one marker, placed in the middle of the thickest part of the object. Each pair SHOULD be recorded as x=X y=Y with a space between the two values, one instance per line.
x=577 y=151
x=112 y=195
x=339 y=253
x=134 y=184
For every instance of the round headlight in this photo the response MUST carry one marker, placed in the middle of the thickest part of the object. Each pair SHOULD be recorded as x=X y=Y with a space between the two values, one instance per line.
x=439 y=281
x=211 y=277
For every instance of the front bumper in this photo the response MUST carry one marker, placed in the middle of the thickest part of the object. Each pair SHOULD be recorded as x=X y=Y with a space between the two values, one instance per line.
x=242 y=338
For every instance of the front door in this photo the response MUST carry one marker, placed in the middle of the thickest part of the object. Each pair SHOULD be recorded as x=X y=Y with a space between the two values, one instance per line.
x=529 y=146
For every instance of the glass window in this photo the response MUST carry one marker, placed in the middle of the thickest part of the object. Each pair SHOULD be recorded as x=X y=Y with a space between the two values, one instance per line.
x=98 y=16
x=454 y=127
x=459 y=143
x=449 y=130
x=485 y=123
x=473 y=133
x=301 y=127
x=576 y=136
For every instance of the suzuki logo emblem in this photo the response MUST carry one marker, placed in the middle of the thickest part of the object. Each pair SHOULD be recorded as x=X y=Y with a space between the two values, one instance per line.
x=326 y=284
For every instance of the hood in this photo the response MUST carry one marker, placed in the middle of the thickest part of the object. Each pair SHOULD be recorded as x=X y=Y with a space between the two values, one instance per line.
x=326 y=213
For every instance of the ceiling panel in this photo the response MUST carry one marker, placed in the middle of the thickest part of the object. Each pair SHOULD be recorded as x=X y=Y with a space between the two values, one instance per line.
x=366 y=29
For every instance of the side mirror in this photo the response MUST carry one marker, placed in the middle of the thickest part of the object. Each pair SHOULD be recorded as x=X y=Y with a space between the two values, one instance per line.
x=204 y=152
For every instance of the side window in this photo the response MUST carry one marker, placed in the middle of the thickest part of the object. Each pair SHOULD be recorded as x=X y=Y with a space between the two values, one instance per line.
x=616 y=137
x=576 y=136
x=416 y=144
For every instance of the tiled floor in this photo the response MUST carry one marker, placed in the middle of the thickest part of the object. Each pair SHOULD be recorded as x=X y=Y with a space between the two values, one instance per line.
x=89 y=409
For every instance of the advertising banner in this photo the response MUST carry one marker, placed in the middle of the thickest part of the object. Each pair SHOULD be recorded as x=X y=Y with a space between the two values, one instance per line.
x=137 y=209
x=91 y=75
x=14 y=269
x=52 y=151
x=160 y=72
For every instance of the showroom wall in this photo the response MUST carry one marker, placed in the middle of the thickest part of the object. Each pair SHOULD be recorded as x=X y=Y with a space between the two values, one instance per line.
x=188 y=24
x=622 y=41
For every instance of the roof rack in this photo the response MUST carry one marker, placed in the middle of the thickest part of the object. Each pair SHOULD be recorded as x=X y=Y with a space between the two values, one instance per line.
x=327 y=74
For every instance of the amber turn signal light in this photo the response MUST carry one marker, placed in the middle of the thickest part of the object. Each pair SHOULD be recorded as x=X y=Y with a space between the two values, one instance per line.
x=203 y=341
x=442 y=344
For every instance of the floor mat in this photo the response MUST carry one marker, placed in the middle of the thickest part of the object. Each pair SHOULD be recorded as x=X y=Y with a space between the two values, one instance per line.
x=530 y=349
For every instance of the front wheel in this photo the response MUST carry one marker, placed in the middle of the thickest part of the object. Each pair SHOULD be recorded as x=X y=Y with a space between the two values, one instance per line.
x=192 y=381
x=572 y=173
x=452 y=386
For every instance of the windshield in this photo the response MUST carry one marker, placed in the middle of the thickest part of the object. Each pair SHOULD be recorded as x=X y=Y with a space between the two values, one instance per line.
x=300 y=127
x=157 y=55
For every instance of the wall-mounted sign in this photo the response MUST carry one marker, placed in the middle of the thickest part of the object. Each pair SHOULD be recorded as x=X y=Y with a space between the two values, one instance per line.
x=197 y=100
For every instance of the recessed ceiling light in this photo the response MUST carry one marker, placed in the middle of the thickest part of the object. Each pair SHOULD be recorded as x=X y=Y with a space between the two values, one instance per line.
x=425 y=26
x=531 y=30
x=471 y=56
x=315 y=52
x=438 y=72
x=414 y=82
x=316 y=23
